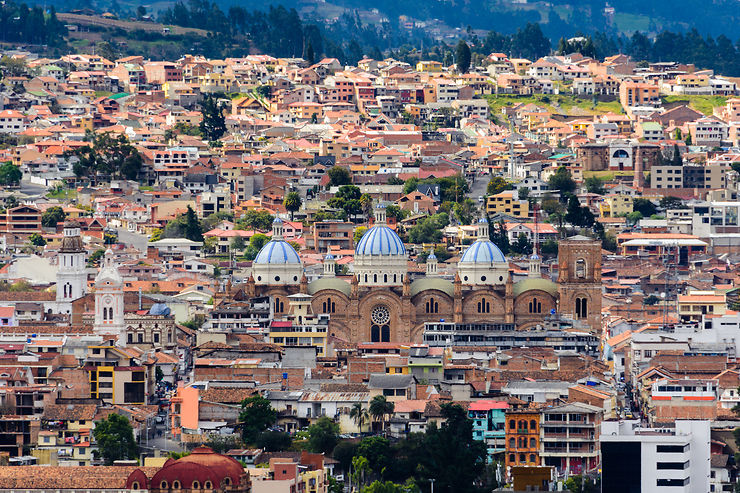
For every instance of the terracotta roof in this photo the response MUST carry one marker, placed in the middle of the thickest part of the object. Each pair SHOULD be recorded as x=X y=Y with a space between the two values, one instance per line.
x=67 y=412
x=67 y=477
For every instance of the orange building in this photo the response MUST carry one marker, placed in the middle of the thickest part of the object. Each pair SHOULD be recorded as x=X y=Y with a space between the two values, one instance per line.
x=523 y=437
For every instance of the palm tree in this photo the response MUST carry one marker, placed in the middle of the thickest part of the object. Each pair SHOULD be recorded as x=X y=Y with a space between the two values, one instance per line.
x=380 y=407
x=358 y=414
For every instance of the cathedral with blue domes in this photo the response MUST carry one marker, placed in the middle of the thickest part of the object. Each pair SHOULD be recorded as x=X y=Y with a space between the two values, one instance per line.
x=382 y=304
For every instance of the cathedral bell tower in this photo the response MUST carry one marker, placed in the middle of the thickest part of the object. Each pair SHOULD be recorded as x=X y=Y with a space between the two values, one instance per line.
x=109 y=301
x=579 y=280
x=71 y=273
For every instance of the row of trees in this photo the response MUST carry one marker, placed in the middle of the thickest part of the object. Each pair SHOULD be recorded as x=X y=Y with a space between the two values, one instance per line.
x=21 y=23
x=446 y=454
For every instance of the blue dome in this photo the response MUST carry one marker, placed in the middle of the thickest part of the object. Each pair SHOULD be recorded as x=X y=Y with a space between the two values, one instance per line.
x=482 y=252
x=277 y=252
x=380 y=240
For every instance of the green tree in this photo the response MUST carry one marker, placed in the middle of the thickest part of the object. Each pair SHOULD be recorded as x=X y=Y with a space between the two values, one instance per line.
x=158 y=374
x=594 y=184
x=410 y=185
x=273 y=441
x=396 y=212
x=37 y=240
x=358 y=414
x=52 y=216
x=669 y=202
x=462 y=57
x=359 y=231
x=549 y=248
x=380 y=407
x=578 y=215
x=261 y=220
x=323 y=435
x=238 y=244
x=500 y=238
x=255 y=417
x=339 y=175
x=344 y=452
x=140 y=12
x=377 y=451
x=577 y=484
x=451 y=455
x=94 y=259
x=465 y=211
x=429 y=229
x=292 y=203
x=106 y=155
x=193 y=230
x=156 y=234
x=644 y=207
x=522 y=245
x=115 y=439
x=634 y=217
x=10 y=174
x=213 y=121
x=562 y=181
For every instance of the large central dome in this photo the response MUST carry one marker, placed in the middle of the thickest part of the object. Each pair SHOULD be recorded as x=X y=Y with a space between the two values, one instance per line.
x=483 y=262
x=380 y=240
x=380 y=256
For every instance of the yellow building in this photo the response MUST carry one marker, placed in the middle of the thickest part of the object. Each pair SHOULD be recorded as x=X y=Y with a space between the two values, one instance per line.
x=615 y=206
x=302 y=327
x=521 y=65
x=428 y=66
x=693 y=305
x=507 y=203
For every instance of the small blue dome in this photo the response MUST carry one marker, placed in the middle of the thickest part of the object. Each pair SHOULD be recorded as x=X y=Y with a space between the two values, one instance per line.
x=380 y=240
x=482 y=220
x=277 y=252
x=482 y=252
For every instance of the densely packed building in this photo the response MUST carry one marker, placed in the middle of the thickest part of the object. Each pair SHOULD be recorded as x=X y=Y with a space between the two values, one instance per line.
x=352 y=234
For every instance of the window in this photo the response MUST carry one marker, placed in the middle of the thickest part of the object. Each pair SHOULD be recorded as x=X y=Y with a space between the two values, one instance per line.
x=432 y=306
x=208 y=485
x=512 y=442
x=532 y=443
x=163 y=485
x=196 y=485
x=484 y=306
x=512 y=425
x=176 y=485
x=580 y=268
x=512 y=458
x=532 y=458
x=673 y=465
x=672 y=449
x=135 y=485
x=581 y=307
x=535 y=306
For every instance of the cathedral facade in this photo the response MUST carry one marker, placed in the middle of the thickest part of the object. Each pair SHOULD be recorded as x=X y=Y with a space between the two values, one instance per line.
x=381 y=304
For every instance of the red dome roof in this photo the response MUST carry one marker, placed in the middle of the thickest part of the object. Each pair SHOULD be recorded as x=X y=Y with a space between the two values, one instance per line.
x=202 y=465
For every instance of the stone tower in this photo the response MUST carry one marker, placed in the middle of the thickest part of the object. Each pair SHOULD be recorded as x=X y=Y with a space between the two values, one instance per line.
x=71 y=275
x=579 y=280
x=109 y=302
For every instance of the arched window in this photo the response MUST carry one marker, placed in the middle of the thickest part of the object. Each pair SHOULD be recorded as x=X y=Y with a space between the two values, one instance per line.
x=135 y=485
x=581 y=268
x=522 y=442
x=227 y=481
x=532 y=443
x=484 y=306
x=395 y=276
x=512 y=425
x=208 y=485
x=535 y=306
x=365 y=277
x=279 y=305
x=533 y=425
x=196 y=485
x=432 y=306
x=385 y=334
x=163 y=485
x=522 y=458
x=385 y=277
x=620 y=154
x=581 y=307
x=522 y=425
x=375 y=334
x=375 y=278
x=512 y=443
x=176 y=485
x=512 y=458
x=532 y=458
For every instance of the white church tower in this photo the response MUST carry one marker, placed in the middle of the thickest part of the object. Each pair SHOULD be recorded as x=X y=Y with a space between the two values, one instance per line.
x=109 y=302
x=71 y=273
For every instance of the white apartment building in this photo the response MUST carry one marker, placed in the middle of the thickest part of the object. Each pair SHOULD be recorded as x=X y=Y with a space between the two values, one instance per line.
x=659 y=460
